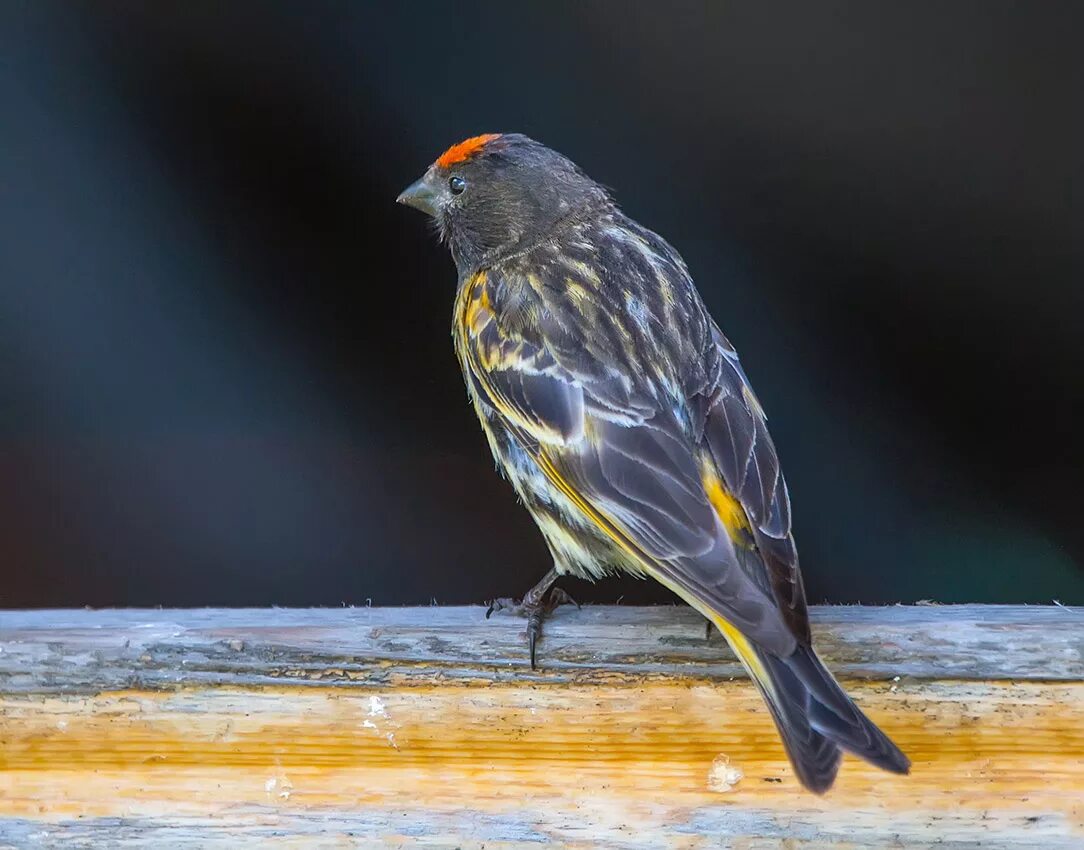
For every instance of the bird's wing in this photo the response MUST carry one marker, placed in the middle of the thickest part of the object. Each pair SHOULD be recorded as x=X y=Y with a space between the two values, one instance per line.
x=688 y=510
x=736 y=431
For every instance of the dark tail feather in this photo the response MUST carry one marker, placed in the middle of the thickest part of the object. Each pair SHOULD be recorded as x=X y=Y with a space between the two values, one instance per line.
x=816 y=719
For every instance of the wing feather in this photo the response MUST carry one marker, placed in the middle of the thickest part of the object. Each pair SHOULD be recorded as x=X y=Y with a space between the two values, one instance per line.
x=736 y=431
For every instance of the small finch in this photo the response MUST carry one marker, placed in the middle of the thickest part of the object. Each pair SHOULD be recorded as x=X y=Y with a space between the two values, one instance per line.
x=624 y=421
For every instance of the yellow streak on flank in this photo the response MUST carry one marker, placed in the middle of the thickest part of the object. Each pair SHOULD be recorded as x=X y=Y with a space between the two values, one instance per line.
x=732 y=515
x=729 y=510
x=603 y=522
x=745 y=652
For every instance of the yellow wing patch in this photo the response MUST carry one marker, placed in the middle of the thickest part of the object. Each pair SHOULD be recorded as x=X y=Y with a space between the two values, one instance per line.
x=729 y=510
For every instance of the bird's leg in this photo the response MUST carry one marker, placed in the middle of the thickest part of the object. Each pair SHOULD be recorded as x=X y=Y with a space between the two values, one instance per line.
x=707 y=630
x=536 y=603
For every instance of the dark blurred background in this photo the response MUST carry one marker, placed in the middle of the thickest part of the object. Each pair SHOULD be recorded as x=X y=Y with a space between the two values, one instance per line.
x=225 y=367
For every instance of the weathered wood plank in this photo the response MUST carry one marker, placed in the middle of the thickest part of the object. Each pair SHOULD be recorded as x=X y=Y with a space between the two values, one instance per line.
x=423 y=728
x=600 y=766
x=87 y=651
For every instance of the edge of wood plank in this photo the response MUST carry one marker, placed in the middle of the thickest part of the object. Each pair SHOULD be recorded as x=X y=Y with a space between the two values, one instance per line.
x=86 y=651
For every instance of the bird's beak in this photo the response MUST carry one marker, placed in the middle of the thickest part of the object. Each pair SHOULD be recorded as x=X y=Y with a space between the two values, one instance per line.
x=421 y=196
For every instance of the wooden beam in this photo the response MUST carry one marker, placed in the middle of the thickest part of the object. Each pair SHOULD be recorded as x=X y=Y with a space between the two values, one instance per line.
x=424 y=727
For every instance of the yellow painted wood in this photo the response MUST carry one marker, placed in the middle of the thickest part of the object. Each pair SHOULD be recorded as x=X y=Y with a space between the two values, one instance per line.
x=567 y=762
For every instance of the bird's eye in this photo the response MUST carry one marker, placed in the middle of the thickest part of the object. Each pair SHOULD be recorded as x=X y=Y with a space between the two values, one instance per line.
x=457 y=185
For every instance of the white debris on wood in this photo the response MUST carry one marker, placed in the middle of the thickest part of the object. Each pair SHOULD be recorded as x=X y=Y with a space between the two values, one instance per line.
x=724 y=776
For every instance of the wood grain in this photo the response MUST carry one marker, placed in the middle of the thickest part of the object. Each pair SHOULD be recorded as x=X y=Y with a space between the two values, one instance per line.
x=423 y=728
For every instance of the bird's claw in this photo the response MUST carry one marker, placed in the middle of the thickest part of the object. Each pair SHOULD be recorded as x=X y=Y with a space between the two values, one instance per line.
x=534 y=606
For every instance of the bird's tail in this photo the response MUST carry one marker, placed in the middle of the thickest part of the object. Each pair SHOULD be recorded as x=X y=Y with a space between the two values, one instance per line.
x=815 y=717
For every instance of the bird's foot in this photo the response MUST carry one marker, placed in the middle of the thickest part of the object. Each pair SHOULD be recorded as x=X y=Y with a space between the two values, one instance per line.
x=539 y=602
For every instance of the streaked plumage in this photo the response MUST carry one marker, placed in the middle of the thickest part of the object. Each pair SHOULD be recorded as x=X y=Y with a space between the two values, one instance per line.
x=624 y=421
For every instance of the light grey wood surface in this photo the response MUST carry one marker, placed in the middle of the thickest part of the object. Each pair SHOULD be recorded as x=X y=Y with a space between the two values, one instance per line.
x=90 y=650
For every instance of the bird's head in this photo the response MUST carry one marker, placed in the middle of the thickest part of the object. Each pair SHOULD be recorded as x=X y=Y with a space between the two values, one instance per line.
x=496 y=194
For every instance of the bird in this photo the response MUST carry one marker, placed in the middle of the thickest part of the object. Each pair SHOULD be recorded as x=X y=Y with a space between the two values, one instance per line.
x=627 y=426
